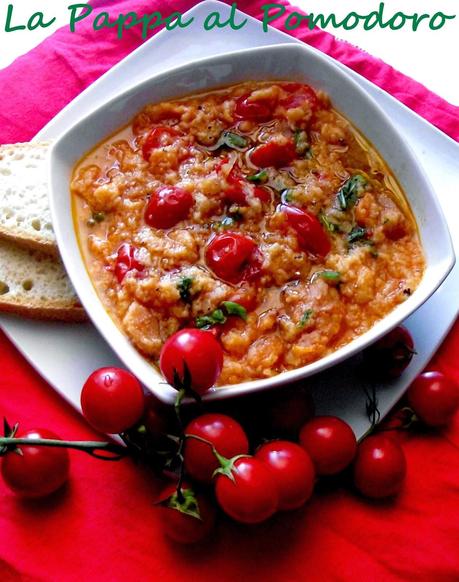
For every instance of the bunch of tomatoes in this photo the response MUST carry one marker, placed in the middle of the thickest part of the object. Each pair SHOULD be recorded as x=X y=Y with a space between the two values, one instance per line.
x=250 y=457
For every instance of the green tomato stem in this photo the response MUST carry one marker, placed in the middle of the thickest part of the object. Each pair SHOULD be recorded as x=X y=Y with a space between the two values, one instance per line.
x=90 y=447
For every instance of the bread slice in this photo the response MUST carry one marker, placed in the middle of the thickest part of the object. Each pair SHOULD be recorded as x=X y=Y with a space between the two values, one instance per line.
x=36 y=285
x=24 y=207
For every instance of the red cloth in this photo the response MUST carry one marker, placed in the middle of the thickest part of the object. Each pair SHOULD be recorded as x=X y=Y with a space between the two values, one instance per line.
x=103 y=526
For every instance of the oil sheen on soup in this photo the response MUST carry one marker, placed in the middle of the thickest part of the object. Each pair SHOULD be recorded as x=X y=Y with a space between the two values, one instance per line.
x=257 y=212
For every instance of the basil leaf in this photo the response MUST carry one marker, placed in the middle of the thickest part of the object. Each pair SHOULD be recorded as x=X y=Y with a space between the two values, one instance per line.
x=327 y=223
x=230 y=139
x=184 y=288
x=218 y=315
x=207 y=321
x=228 y=221
x=302 y=146
x=281 y=181
x=349 y=192
x=356 y=234
x=98 y=216
x=305 y=318
x=233 y=308
x=287 y=195
x=258 y=178
x=332 y=276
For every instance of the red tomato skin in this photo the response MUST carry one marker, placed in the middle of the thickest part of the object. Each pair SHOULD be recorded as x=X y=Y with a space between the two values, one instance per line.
x=186 y=529
x=233 y=257
x=39 y=471
x=126 y=261
x=199 y=350
x=237 y=189
x=391 y=354
x=156 y=139
x=227 y=436
x=255 y=110
x=379 y=467
x=273 y=154
x=434 y=398
x=298 y=96
x=253 y=496
x=167 y=206
x=330 y=442
x=310 y=233
x=293 y=472
x=112 y=400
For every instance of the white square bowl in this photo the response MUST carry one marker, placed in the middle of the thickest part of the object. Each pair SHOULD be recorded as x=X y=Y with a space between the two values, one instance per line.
x=281 y=62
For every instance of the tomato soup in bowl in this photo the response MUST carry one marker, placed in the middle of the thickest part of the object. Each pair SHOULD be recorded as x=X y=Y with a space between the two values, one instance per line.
x=255 y=210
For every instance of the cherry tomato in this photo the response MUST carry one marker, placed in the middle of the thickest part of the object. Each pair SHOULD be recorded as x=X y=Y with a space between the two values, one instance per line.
x=39 y=470
x=292 y=470
x=310 y=233
x=167 y=206
x=273 y=154
x=226 y=435
x=112 y=400
x=434 y=398
x=330 y=442
x=126 y=260
x=201 y=353
x=233 y=257
x=262 y=194
x=299 y=95
x=259 y=110
x=180 y=526
x=158 y=137
x=237 y=189
x=391 y=354
x=379 y=467
x=252 y=495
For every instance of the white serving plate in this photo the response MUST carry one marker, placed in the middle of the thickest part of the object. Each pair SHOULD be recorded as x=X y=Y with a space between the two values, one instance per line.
x=291 y=62
x=66 y=354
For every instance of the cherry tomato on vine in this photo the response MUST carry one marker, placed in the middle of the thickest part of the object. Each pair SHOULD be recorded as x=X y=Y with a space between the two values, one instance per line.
x=127 y=260
x=379 y=467
x=199 y=351
x=391 y=354
x=188 y=520
x=167 y=206
x=273 y=154
x=223 y=432
x=330 y=442
x=251 y=495
x=160 y=136
x=39 y=470
x=233 y=257
x=112 y=400
x=292 y=470
x=434 y=398
x=256 y=110
x=310 y=233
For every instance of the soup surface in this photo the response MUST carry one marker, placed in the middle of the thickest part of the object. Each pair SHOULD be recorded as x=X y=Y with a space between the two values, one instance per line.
x=257 y=212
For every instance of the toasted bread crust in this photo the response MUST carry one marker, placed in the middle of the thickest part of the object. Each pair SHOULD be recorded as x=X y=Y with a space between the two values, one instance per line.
x=47 y=247
x=66 y=314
